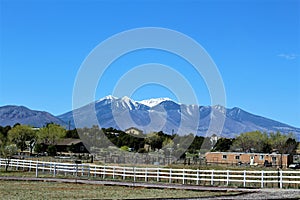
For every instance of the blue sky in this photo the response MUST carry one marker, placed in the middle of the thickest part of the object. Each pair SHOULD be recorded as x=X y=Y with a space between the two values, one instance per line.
x=255 y=45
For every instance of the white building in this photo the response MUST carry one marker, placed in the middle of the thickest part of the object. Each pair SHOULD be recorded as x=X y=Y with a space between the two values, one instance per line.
x=133 y=131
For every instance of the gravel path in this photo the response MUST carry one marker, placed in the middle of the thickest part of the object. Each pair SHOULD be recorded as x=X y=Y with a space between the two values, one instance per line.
x=267 y=194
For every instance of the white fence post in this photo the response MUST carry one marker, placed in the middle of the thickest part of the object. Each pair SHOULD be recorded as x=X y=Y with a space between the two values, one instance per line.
x=227 y=181
x=134 y=177
x=183 y=176
x=30 y=165
x=76 y=170
x=197 y=181
x=17 y=165
x=43 y=170
x=37 y=170
x=114 y=172
x=146 y=170
x=124 y=173
x=54 y=170
x=280 y=179
x=95 y=171
x=157 y=177
x=212 y=177
x=262 y=179
x=104 y=170
x=244 y=178
x=170 y=179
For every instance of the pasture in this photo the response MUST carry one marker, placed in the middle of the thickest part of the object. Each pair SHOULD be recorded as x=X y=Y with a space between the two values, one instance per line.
x=56 y=190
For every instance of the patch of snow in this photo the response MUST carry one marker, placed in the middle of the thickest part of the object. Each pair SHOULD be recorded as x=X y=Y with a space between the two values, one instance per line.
x=219 y=108
x=127 y=102
x=153 y=102
x=109 y=97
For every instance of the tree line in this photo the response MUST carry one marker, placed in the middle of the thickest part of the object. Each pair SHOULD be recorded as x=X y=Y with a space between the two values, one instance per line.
x=259 y=142
x=44 y=139
x=20 y=137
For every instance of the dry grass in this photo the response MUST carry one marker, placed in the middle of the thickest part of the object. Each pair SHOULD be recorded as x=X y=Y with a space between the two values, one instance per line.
x=54 y=190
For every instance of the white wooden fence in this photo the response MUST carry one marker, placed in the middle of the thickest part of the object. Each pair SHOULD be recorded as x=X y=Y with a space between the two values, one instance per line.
x=281 y=179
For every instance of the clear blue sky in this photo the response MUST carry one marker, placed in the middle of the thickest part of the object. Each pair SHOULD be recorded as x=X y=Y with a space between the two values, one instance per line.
x=255 y=45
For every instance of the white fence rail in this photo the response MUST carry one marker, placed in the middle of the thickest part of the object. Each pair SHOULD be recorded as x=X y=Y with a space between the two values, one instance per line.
x=281 y=179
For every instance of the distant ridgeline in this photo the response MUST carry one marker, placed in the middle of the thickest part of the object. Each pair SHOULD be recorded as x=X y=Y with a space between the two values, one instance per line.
x=152 y=115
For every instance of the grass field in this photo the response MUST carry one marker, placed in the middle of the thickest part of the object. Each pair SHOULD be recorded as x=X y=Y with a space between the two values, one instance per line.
x=54 y=190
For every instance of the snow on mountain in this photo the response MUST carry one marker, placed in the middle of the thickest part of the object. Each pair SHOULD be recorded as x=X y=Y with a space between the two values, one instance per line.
x=163 y=114
x=109 y=97
x=153 y=102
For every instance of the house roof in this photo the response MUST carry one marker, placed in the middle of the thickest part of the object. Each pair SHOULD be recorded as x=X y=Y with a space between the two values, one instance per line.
x=68 y=141
x=133 y=128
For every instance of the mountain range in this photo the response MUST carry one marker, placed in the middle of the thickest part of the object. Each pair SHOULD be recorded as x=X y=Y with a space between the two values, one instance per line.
x=160 y=114
x=10 y=115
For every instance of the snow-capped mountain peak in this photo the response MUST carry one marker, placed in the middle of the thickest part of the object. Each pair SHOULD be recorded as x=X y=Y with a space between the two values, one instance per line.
x=154 y=101
x=127 y=102
x=220 y=108
x=109 y=97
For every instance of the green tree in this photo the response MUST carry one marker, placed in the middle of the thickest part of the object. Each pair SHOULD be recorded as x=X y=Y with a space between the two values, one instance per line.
x=251 y=141
x=223 y=144
x=72 y=134
x=19 y=134
x=51 y=134
x=196 y=144
x=168 y=143
x=124 y=148
x=7 y=151
x=284 y=143
x=51 y=149
x=39 y=148
x=154 y=140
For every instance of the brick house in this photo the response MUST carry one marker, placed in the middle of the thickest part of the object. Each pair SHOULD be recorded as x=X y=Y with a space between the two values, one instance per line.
x=273 y=159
